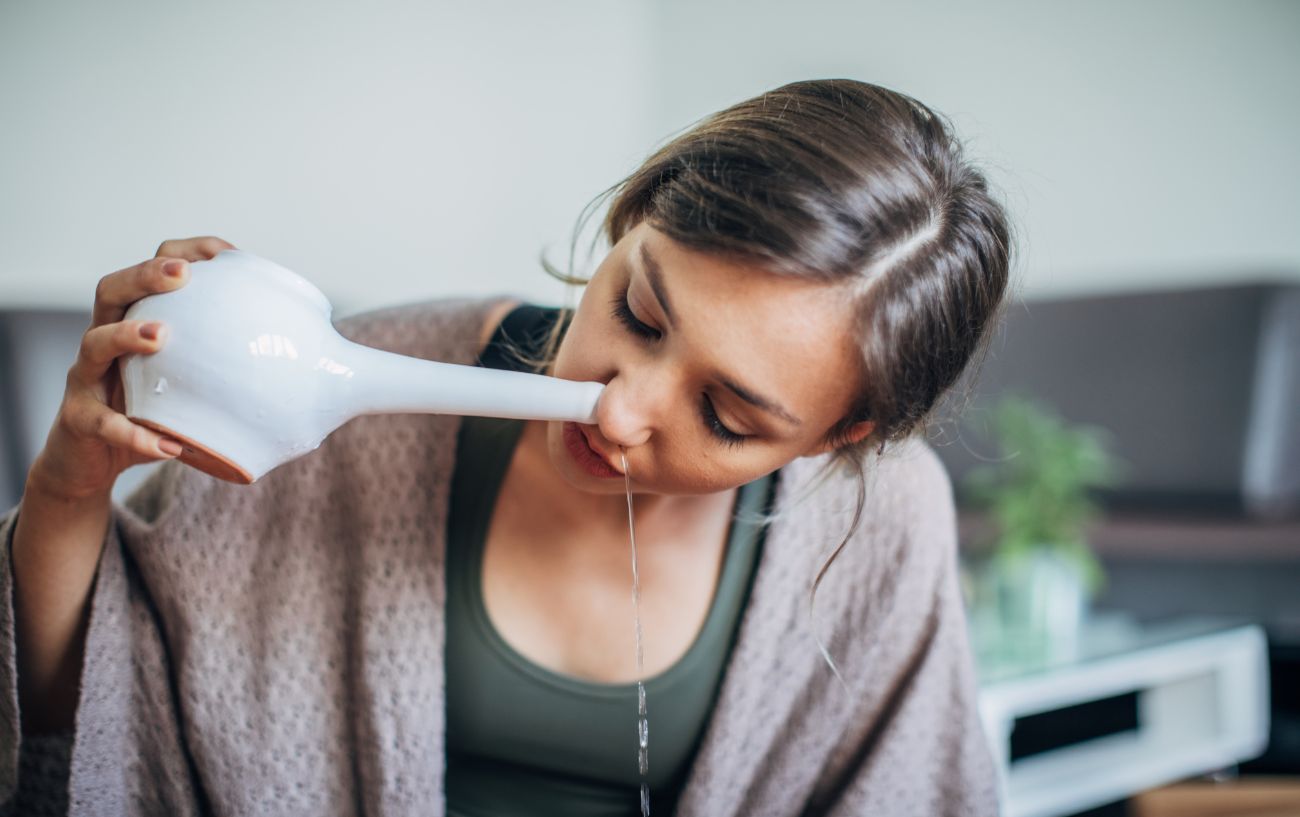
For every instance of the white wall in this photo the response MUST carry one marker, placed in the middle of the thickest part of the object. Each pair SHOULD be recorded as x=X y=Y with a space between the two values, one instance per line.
x=1139 y=145
x=413 y=149
x=389 y=152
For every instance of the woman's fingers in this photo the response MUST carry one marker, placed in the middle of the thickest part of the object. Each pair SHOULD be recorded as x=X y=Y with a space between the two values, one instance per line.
x=193 y=249
x=168 y=270
x=86 y=413
x=165 y=271
x=102 y=345
x=92 y=440
x=118 y=290
x=92 y=419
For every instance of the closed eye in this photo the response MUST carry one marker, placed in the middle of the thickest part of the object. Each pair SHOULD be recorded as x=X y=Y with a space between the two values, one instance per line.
x=716 y=427
x=623 y=313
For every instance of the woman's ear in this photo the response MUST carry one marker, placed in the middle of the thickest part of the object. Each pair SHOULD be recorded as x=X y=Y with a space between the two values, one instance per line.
x=855 y=433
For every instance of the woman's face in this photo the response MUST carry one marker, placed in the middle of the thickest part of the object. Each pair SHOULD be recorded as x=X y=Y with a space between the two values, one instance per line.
x=671 y=331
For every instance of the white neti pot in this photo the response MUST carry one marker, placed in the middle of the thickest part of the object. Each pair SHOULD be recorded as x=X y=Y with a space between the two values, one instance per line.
x=253 y=374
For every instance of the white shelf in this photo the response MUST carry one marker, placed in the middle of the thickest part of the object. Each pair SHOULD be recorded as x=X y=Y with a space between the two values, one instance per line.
x=1202 y=705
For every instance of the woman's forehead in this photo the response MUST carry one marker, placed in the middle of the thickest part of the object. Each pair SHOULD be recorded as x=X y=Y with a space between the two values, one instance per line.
x=755 y=301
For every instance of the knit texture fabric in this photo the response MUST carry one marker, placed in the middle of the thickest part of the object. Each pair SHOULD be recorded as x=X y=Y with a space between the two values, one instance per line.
x=277 y=648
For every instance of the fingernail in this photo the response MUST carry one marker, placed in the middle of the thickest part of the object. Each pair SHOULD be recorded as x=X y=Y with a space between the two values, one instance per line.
x=173 y=268
x=149 y=331
x=170 y=447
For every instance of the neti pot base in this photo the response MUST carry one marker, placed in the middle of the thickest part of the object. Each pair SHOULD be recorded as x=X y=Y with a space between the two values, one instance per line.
x=197 y=455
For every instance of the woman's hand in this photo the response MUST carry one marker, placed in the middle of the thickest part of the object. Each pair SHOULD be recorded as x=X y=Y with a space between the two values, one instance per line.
x=92 y=441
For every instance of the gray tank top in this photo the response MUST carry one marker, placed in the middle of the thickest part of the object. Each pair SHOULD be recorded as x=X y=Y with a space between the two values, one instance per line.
x=522 y=739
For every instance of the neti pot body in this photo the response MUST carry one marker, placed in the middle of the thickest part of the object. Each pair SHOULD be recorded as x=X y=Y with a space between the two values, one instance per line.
x=253 y=373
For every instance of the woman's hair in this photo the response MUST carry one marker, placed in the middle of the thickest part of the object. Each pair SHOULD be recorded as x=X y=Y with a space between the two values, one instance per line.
x=842 y=182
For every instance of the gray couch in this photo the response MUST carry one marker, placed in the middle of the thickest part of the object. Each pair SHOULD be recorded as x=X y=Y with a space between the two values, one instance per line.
x=36 y=349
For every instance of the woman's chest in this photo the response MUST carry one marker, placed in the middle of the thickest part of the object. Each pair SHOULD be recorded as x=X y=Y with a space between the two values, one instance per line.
x=563 y=598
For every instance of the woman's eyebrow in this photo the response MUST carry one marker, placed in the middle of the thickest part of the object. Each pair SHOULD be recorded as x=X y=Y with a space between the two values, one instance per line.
x=654 y=274
x=765 y=403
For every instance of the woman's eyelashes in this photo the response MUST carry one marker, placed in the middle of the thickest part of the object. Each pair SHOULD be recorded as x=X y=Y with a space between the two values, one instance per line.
x=715 y=425
x=622 y=312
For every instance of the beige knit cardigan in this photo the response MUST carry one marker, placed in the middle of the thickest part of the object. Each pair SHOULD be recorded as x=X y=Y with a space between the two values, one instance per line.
x=277 y=648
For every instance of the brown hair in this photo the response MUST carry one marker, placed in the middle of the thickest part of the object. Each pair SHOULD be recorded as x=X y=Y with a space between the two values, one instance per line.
x=840 y=181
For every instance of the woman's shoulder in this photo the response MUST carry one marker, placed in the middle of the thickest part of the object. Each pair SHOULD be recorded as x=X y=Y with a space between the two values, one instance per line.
x=908 y=518
x=907 y=480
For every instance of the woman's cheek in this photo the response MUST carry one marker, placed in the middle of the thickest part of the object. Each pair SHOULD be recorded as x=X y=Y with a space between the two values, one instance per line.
x=697 y=472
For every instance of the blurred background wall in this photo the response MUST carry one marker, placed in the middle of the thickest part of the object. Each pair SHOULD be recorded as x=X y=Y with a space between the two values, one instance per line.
x=1139 y=144
x=389 y=152
x=407 y=149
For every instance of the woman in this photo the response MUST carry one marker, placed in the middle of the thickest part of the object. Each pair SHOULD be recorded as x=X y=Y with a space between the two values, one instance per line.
x=433 y=613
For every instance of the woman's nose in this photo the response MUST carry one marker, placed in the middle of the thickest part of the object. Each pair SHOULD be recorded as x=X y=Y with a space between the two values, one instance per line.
x=624 y=416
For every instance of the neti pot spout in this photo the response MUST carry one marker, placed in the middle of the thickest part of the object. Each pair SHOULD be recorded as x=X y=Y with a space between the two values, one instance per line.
x=380 y=382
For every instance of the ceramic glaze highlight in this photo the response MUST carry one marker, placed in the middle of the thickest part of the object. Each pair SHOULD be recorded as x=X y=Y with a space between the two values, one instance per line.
x=253 y=373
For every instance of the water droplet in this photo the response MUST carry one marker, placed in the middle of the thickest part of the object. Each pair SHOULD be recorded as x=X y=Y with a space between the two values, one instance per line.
x=645 y=800
x=160 y=386
x=643 y=732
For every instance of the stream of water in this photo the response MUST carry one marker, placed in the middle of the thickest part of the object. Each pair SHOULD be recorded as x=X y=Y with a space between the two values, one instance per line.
x=642 y=722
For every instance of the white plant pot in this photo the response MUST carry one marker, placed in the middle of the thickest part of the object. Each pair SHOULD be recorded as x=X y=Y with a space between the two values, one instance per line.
x=1042 y=604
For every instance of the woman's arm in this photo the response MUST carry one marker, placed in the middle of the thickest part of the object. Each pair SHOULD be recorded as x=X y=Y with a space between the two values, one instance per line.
x=56 y=545
x=66 y=503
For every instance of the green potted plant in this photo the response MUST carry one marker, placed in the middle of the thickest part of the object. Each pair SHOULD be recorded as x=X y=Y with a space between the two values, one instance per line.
x=1040 y=574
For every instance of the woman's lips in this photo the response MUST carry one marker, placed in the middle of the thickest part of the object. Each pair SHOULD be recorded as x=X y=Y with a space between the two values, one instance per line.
x=575 y=439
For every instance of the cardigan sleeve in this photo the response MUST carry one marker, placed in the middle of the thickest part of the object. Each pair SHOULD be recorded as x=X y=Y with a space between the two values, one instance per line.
x=33 y=770
x=124 y=669
x=924 y=751
x=901 y=734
